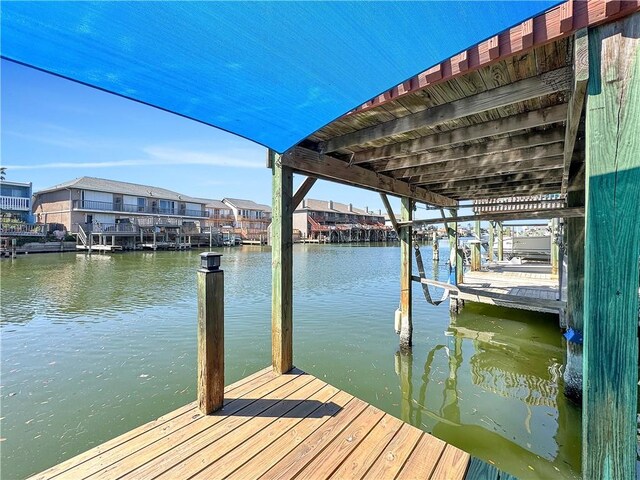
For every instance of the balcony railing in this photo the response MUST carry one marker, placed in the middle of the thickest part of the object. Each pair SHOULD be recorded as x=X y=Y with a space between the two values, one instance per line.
x=23 y=229
x=112 y=228
x=128 y=208
x=15 y=203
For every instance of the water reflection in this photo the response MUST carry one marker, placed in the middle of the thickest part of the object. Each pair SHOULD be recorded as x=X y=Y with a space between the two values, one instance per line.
x=495 y=392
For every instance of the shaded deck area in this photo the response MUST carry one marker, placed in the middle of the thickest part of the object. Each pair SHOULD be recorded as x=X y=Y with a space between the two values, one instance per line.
x=273 y=426
x=527 y=287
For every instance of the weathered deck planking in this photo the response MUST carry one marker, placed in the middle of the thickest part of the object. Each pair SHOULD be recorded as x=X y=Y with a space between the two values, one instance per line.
x=529 y=291
x=272 y=426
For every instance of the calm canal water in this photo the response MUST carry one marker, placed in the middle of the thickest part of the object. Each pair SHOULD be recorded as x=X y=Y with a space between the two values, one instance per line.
x=94 y=346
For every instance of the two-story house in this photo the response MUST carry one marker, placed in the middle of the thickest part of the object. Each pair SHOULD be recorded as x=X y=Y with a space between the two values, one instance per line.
x=251 y=219
x=15 y=201
x=329 y=221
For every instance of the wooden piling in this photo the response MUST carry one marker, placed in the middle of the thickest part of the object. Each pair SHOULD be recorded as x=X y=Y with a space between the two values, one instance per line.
x=476 y=258
x=406 y=252
x=492 y=239
x=282 y=266
x=500 y=241
x=210 y=340
x=436 y=248
x=611 y=281
x=554 y=248
x=14 y=242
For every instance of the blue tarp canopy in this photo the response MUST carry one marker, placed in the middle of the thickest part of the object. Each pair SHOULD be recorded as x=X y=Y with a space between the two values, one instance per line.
x=273 y=72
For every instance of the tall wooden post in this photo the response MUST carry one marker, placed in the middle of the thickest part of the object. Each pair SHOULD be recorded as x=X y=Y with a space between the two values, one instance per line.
x=281 y=266
x=612 y=249
x=554 y=248
x=575 y=299
x=455 y=261
x=436 y=248
x=406 y=253
x=492 y=239
x=210 y=334
x=500 y=241
x=476 y=258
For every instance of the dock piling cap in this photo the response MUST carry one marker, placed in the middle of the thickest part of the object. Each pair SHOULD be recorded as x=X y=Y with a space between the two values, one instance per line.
x=210 y=261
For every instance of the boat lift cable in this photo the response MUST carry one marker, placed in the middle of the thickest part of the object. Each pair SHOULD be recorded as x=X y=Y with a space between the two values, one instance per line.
x=425 y=287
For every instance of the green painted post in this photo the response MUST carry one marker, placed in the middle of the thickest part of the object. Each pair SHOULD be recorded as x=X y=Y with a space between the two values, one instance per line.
x=406 y=262
x=554 y=248
x=612 y=250
x=281 y=266
x=500 y=242
x=476 y=259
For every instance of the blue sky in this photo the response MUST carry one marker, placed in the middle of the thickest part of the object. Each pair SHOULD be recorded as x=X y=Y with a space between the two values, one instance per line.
x=54 y=130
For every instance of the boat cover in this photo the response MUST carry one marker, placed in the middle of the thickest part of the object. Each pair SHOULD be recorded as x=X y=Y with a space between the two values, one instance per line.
x=273 y=72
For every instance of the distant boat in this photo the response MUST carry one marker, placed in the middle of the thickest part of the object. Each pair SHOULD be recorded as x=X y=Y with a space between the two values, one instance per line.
x=531 y=248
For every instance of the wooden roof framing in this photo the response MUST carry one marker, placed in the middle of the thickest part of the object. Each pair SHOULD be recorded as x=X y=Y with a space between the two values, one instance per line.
x=503 y=118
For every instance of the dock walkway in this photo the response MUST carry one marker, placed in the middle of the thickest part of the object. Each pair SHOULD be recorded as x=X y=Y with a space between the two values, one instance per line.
x=273 y=426
x=527 y=287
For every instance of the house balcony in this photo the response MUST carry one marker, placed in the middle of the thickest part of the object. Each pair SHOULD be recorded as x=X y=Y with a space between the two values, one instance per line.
x=96 y=206
x=16 y=204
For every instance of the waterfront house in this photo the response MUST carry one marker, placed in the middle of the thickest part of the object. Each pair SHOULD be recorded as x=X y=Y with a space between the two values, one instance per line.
x=326 y=220
x=15 y=201
x=123 y=211
x=251 y=219
x=219 y=214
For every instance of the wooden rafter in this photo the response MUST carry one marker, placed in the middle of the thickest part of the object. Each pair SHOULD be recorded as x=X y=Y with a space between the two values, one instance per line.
x=520 y=91
x=504 y=216
x=470 y=171
x=536 y=118
x=483 y=161
x=312 y=163
x=480 y=193
x=576 y=102
x=502 y=145
x=498 y=179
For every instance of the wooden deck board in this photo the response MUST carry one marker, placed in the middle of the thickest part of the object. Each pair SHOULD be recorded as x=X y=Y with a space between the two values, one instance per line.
x=528 y=291
x=272 y=426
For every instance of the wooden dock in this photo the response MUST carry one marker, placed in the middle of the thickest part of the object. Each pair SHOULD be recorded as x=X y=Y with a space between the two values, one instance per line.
x=526 y=287
x=274 y=426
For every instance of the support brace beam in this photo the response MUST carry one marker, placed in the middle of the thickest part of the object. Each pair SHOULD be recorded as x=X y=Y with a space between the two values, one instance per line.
x=308 y=162
x=392 y=216
x=303 y=190
x=576 y=102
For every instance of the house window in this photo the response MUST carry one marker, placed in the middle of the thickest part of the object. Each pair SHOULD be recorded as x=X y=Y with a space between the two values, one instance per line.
x=167 y=206
x=140 y=204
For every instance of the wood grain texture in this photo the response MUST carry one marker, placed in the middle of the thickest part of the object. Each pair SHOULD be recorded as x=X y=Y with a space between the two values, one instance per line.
x=210 y=340
x=547 y=83
x=396 y=454
x=479 y=470
x=453 y=464
x=576 y=102
x=423 y=460
x=523 y=141
x=309 y=162
x=524 y=121
x=281 y=266
x=611 y=288
x=272 y=426
x=406 y=262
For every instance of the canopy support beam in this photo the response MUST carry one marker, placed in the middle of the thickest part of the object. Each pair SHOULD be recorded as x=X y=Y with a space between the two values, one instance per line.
x=312 y=163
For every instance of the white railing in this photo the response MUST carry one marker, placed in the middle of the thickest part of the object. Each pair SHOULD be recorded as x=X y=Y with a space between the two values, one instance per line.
x=15 y=203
